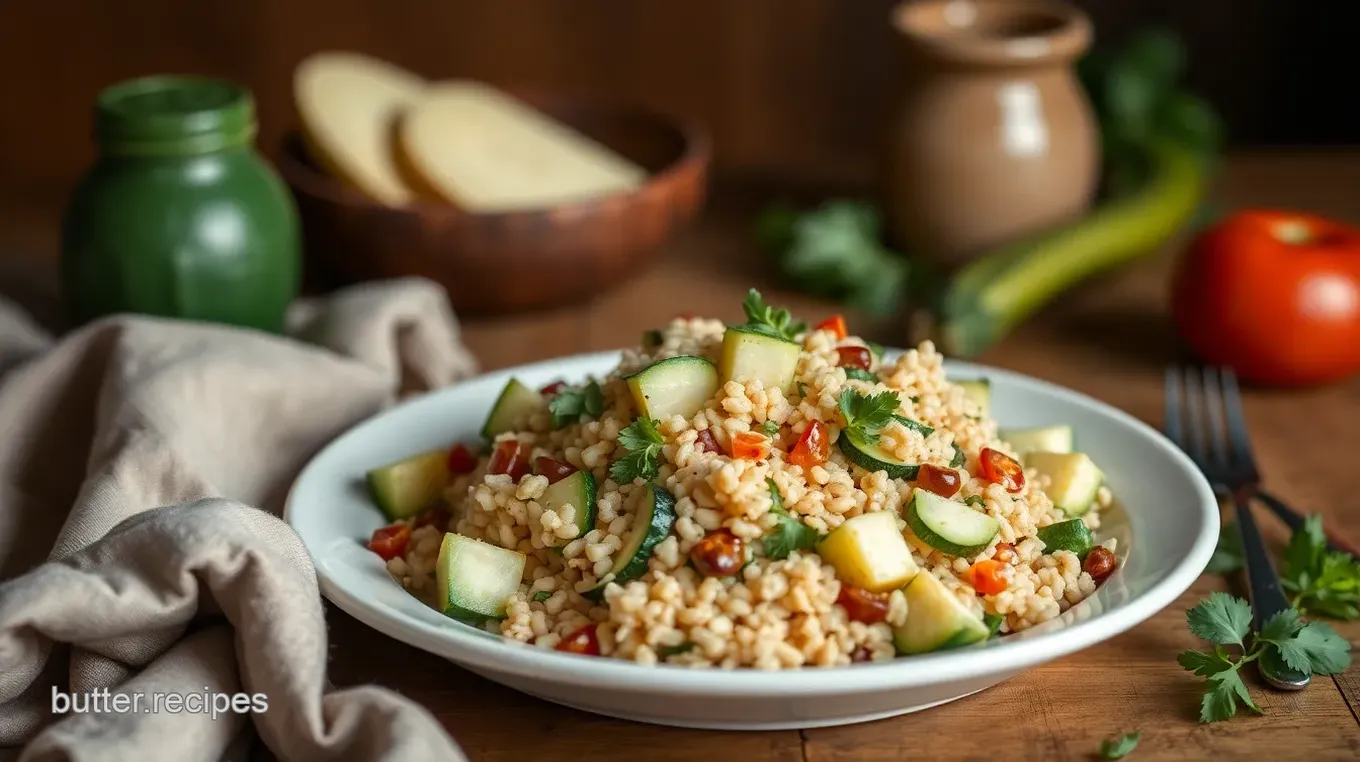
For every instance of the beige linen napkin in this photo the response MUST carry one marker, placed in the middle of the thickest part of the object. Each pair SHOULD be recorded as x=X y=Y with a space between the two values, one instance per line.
x=131 y=452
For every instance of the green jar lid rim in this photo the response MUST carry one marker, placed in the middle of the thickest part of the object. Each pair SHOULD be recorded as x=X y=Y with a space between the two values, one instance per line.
x=173 y=115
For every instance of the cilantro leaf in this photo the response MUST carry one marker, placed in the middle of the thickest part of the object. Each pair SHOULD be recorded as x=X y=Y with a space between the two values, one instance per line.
x=764 y=319
x=770 y=428
x=860 y=374
x=570 y=403
x=976 y=500
x=1221 y=619
x=993 y=622
x=1117 y=748
x=682 y=648
x=1204 y=663
x=1281 y=627
x=866 y=415
x=1323 y=583
x=790 y=533
x=643 y=443
x=542 y=595
x=1317 y=649
x=1220 y=698
x=1228 y=556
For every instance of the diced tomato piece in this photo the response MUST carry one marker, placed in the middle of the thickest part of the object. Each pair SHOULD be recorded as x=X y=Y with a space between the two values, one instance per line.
x=707 y=442
x=553 y=389
x=855 y=357
x=461 y=460
x=390 y=541
x=989 y=576
x=555 y=470
x=510 y=457
x=1000 y=468
x=862 y=605
x=750 y=446
x=813 y=447
x=437 y=516
x=942 y=481
x=835 y=324
x=584 y=641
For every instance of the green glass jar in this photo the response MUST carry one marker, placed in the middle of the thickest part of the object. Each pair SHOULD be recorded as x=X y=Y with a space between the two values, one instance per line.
x=179 y=216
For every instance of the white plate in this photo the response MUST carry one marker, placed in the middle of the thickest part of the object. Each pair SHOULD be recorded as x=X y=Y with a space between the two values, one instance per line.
x=1165 y=540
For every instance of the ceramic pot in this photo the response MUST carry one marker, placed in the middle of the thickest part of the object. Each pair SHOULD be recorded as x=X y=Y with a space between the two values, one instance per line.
x=992 y=137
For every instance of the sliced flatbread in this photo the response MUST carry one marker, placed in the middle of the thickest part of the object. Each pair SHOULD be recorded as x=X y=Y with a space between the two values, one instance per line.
x=487 y=152
x=350 y=105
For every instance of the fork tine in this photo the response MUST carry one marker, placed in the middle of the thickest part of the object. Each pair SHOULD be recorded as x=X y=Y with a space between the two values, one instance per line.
x=1171 y=412
x=1214 y=402
x=1194 y=409
x=1238 y=436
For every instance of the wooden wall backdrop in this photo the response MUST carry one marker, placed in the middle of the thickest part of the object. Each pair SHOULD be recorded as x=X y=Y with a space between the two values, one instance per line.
x=786 y=86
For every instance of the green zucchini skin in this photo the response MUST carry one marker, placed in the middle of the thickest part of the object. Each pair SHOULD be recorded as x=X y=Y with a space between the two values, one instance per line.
x=1001 y=288
x=632 y=562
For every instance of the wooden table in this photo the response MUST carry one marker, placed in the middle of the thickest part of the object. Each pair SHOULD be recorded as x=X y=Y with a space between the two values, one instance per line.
x=1110 y=340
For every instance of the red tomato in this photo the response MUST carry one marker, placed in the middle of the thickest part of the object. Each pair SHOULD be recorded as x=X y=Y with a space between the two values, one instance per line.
x=989 y=576
x=861 y=605
x=390 y=541
x=942 y=481
x=461 y=460
x=510 y=457
x=1274 y=295
x=835 y=324
x=813 y=447
x=555 y=470
x=750 y=446
x=584 y=641
x=1002 y=469
x=855 y=357
x=553 y=389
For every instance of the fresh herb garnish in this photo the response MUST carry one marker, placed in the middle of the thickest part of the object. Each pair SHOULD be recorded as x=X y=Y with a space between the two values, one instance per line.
x=802 y=389
x=1228 y=556
x=682 y=648
x=993 y=622
x=570 y=403
x=1116 y=748
x=975 y=500
x=763 y=319
x=1321 y=582
x=770 y=428
x=1225 y=621
x=790 y=533
x=866 y=415
x=643 y=443
x=860 y=374
x=542 y=595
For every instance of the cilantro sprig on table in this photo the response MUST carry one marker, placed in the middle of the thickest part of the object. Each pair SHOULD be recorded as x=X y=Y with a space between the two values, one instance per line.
x=568 y=405
x=1320 y=582
x=1225 y=621
x=867 y=414
x=643 y=443
x=1118 y=747
x=763 y=319
x=790 y=533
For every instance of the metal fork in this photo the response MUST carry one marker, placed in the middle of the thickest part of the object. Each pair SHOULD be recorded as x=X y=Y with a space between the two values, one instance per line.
x=1204 y=417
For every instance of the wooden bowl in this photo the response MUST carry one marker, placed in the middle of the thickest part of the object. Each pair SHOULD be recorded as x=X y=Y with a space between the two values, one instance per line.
x=515 y=261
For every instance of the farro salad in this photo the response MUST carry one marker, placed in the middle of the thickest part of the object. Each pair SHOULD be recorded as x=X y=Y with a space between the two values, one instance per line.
x=761 y=495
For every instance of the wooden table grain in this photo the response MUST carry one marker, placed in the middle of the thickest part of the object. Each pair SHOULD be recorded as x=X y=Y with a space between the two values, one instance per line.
x=1110 y=339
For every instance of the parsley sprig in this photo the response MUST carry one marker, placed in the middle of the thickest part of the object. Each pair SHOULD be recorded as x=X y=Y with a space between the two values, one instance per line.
x=1118 y=747
x=643 y=443
x=763 y=319
x=867 y=414
x=570 y=403
x=1320 y=582
x=1225 y=621
x=790 y=533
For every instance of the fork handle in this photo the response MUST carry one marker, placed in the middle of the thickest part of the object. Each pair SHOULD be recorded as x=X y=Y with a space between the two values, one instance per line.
x=1267 y=597
x=1295 y=521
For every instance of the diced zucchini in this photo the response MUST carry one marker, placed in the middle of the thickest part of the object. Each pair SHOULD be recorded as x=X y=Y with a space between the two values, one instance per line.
x=979 y=390
x=749 y=355
x=476 y=579
x=1072 y=535
x=512 y=409
x=936 y=619
x=651 y=525
x=404 y=488
x=868 y=551
x=1043 y=439
x=875 y=458
x=1074 y=479
x=578 y=490
x=674 y=386
x=949 y=526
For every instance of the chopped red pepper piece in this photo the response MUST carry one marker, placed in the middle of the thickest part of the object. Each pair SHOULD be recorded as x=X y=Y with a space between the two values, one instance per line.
x=835 y=324
x=584 y=642
x=390 y=541
x=855 y=357
x=750 y=445
x=461 y=460
x=553 y=389
x=510 y=457
x=707 y=442
x=1000 y=468
x=813 y=447
x=989 y=576
x=555 y=470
